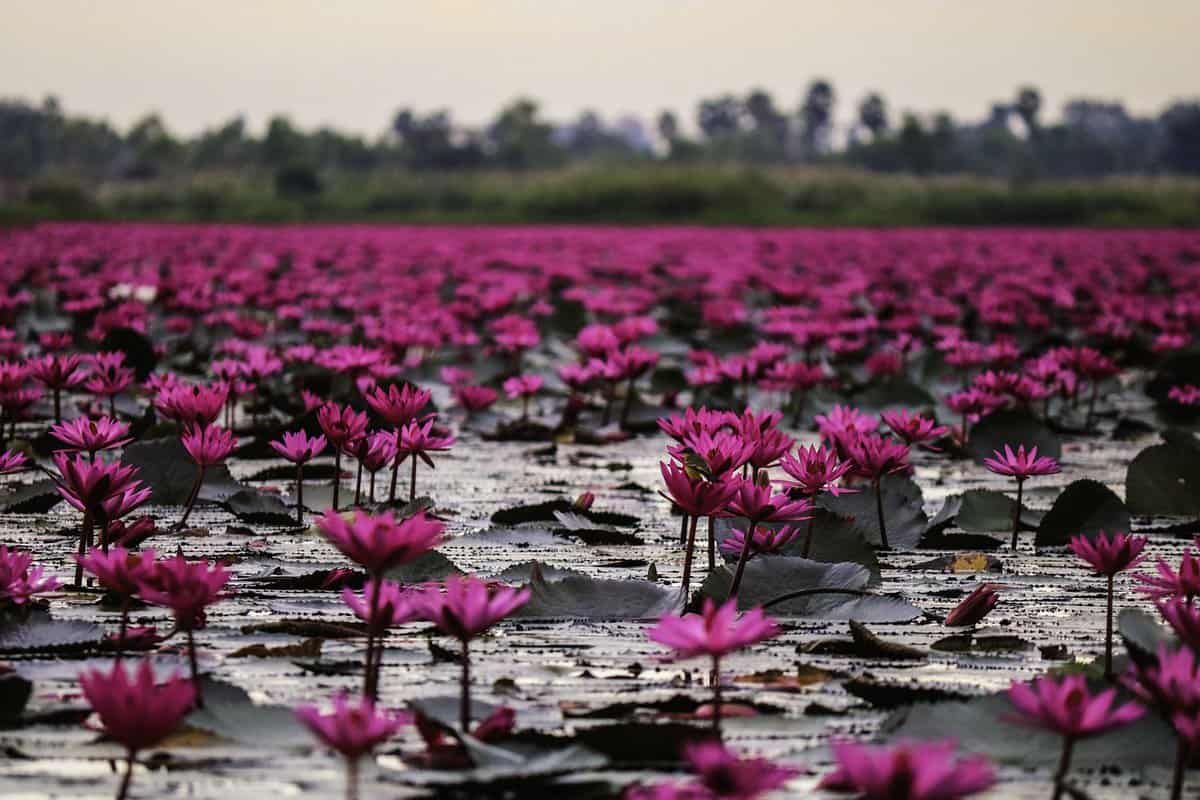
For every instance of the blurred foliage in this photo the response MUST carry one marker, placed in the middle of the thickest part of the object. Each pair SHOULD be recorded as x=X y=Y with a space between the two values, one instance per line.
x=707 y=194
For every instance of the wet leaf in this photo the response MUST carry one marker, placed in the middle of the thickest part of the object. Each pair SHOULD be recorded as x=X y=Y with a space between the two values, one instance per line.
x=835 y=540
x=1143 y=634
x=989 y=511
x=309 y=648
x=261 y=508
x=139 y=352
x=869 y=645
x=889 y=694
x=1164 y=479
x=582 y=597
x=545 y=512
x=1012 y=428
x=982 y=725
x=1085 y=507
x=166 y=468
x=429 y=566
x=40 y=633
x=229 y=713
x=15 y=692
x=903 y=511
x=33 y=498
x=985 y=643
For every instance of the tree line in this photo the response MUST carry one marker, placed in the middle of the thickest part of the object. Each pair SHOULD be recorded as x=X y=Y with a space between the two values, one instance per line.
x=1090 y=139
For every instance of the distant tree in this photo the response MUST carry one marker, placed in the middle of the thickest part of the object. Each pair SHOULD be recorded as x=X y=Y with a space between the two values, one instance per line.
x=519 y=139
x=816 y=114
x=769 y=128
x=283 y=144
x=1027 y=106
x=873 y=115
x=668 y=126
x=223 y=147
x=720 y=117
x=153 y=147
x=1181 y=134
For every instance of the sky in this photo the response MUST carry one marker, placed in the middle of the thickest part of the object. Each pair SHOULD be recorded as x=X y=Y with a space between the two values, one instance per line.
x=352 y=63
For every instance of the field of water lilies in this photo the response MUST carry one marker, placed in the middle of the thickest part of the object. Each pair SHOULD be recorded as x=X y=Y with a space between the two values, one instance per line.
x=598 y=512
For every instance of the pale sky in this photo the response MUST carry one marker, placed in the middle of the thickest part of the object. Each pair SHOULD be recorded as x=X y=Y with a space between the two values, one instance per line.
x=353 y=62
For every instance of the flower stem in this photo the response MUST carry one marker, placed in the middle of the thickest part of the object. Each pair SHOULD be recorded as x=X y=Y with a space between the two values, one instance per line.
x=716 y=687
x=299 y=495
x=743 y=558
x=1108 y=633
x=1064 y=764
x=351 y=779
x=412 y=484
x=125 y=600
x=371 y=685
x=191 y=503
x=808 y=538
x=879 y=510
x=1182 y=755
x=712 y=546
x=627 y=405
x=127 y=778
x=395 y=475
x=191 y=646
x=1017 y=514
x=687 y=558
x=464 y=710
x=683 y=522
x=337 y=475
x=358 y=485
x=85 y=533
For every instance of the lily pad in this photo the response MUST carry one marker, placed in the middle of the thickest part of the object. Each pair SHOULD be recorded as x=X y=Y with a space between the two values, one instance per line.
x=1164 y=479
x=40 y=633
x=903 y=511
x=169 y=471
x=545 y=512
x=258 y=507
x=1012 y=428
x=34 y=498
x=229 y=713
x=1085 y=507
x=582 y=597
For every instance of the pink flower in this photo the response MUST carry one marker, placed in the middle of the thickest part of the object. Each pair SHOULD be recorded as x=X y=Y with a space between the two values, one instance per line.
x=914 y=428
x=1184 y=618
x=475 y=398
x=696 y=497
x=974 y=607
x=1169 y=683
x=909 y=770
x=58 y=371
x=379 y=543
x=185 y=587
x=299 y=447
x=584 y=501
x=119 y=570
x=469 y=606
x=352 y=730
x=134 y=711
x=417 y=439
x=397 y=604
x=765 y=540
x=378 y=450
x=208 y=446
x=521 y=386
x=1168 y=583
x=191 y=405
x=715 y=632
x=13 y=461
x=104 y=490
x=91 y=436
x=874 y=456
x=1067 y=707
x=398 y=406
x=1109 y=556
x=723 y=774
x=341 y=424
x=758 y=504
x=19 y=579
x=1186 y=395
x=1021 y=464
x=722 y=452
x=695 y=421
x=815 y=469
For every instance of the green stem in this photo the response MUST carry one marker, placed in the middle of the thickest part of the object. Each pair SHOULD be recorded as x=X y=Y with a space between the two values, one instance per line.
x=1064 y=764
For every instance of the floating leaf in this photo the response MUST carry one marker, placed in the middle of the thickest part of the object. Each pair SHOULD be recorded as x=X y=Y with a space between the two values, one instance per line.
x=229 y=713
x=139 y=352
x=903 y=511
x=989 y=511
x=545 y=512
x=169 y=471
x=583 y=597
x=259 y=507
x=835 y=540
x=1011 y=428
x=983 y=725
x=1085 y=507
x=34 y=498
x=40 y=633
x=1164 y=479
